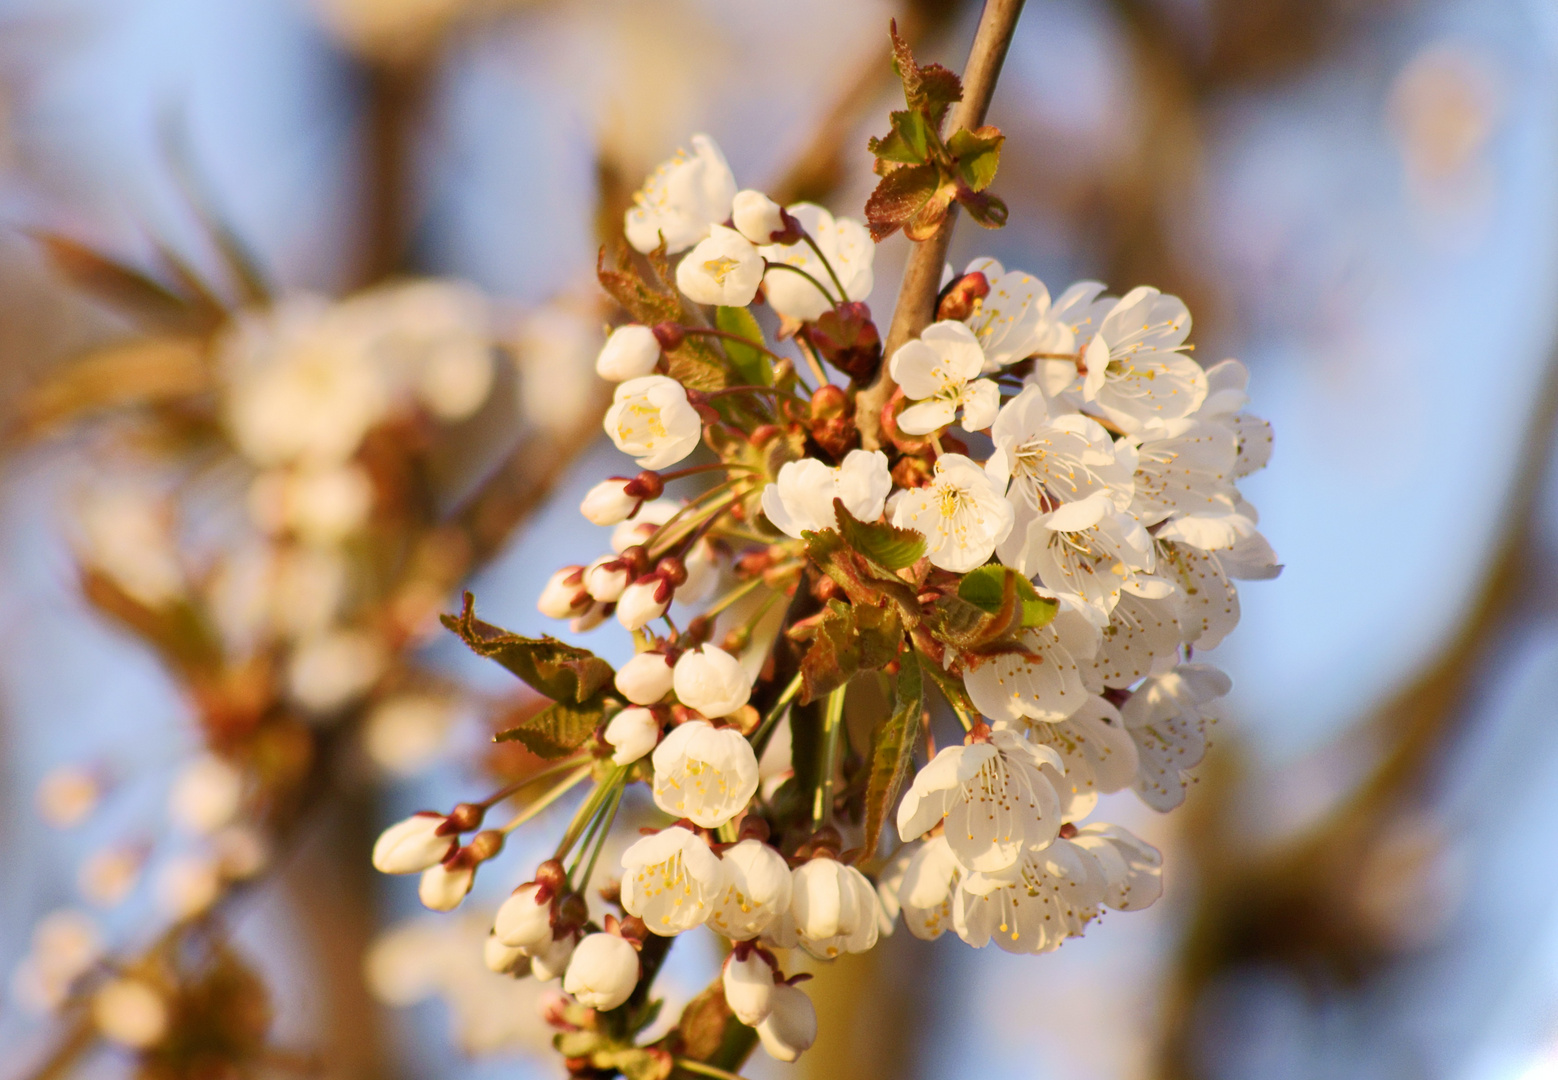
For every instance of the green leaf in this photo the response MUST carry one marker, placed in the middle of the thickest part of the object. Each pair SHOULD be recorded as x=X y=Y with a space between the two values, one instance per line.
x=563 y=672
x=978 y=153
x=752 y=366
x=899 y=196
x=865 y=584
x=892 y=749
x=884 y=544
x=846 y=639
x=928 y=218
x=930 y=89
x=557 y=730
x=985 y=587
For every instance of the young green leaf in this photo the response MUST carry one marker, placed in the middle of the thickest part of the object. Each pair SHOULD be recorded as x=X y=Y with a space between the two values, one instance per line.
x=886 y=545
x=752 y=365
x=563 y=672
x=892 y=749
x=863 y=582
x=931 y=89
x=899 y=196
x=986 y=209
x=557 y=730
x=985 y=587
x=978 y=153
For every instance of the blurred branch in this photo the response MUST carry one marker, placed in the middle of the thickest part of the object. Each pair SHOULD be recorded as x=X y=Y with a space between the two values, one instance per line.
x=1296 y=906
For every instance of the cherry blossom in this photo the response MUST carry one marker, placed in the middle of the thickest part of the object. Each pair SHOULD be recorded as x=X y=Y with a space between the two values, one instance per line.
x=801 y=499
x=630 y=352
x=724 y=269
x=757 y=890
x=681 y=199
x=1167 y=719
x=651 y=419
x=939 y=371
x=845 y=245
x=961 y=513
x=602 y=971
x=703 y=773
x=671 y=880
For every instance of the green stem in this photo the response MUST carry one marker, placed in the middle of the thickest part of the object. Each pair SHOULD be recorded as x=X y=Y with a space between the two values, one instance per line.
x=765 y=730
x=546 y=800
x=705 y=1070
x=663 y=539
x=731 y=597
x=600 y=842
x=584 y=816
x=832 y=721
x=504 y=792
x=843 y=294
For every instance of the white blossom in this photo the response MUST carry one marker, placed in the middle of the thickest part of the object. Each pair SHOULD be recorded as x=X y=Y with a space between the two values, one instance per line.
x=671 y=880
x=997 y=796
x=724 y=269
x=206 y=795
x=925 y=890
x=432 y=337
x=681 y=199
x=757 y=891
x=630 y=352
x=1226 y=383
x=1142 y=638
x=802 y=497
x=703 y=773
x=749 y=987
x=407 y=733
x=756 y=216
x=1059 y=459
x=632 y=733
x=646 y=678
x=1098 y=753
x=1014 y=321
x=442 y=888
x=961 y=512
x=128 y=536
x=651 y=420
x=602 y=971
x=187 y=885
x=711 y=681
x=939 y=371
x=321 y=506
x=328 y=671
x=606 y=578
x=564 y=594
x=501 y=959
x=130 y=1012
x=644 y=601
x=1087 y=551
x=1032 y=905
x=608 y=503
x=549 y=960
x=412 y=845
x=1167 y=718
x=848 y=248
x=1132 y=869
x=1136 y=374
x=833 y=908
x=790 y=1027
x=1042 y=682
x=524 y=920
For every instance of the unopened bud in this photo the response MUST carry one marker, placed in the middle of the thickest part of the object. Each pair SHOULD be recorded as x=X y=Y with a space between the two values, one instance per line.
x=645 y=679
x=551 y=875
x=961 y=299
x=442 y=888
x=550 y=959
x=759 y=218
x=606 y=577
x=412 y=845
x=828 y=402
x=485 y=844
x=524 y=921
x=632 y=733
x=791 y=1024
x=646 y=485
x=560 y=598
x=672 y=569
x=609 y=502
x=602 y=972
x=463 y=818
x=631 y=352
x=749 y=987
x=670 y=335
x=504 y=959
x=644 y=601
x=848 y=339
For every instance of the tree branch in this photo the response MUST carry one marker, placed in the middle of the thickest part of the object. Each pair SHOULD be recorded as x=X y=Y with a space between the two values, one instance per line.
x=922 y=275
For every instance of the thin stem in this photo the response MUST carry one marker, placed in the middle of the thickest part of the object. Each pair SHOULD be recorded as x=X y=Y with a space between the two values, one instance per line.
x=546 y=800
x=718 y=466
x=832 y=274
x=600 y=842
x=545 y=774
x=663 y=540
x=832 y=721
x=584 y=815
x=922 y=275
x=803 y=343
x=711 y=331
x=797 y=270
x=705 y=1070
x=765 y=730
x=731 y=597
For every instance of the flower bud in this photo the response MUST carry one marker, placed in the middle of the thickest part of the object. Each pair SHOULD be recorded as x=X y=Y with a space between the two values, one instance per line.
x=504 y=959
x=790 y=1027
x=645 y=679
x=606 y=578
x=643 y=602
x=550 y=960
x=749 y=987
x=757 y=217
x=757 y=891
x=602 y=972
x=206 y=795
x=560 y=598
x=848 y=339
x=834 y=907
x=130 y=1013
x=723 y=269
x=958 y=300
x=712 y=681
x=670 y=335
x=608 y=502
x=524 y=921
x=591 y=617
x=630 y=352
x=411 y=846
x=442 y=889
x=632 y=733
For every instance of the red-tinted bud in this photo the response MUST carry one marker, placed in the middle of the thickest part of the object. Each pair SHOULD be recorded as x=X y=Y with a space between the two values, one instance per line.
x=670 y=335
x=572 y=912
x=829 y=402
x=1068 y=831
x=792 y=231
x=550 y=875
x=632 y=928
x=764 y=434
x=912 y=472
x=485 y=844
x=848 y=339
x=462 y=819
x=754 y=828
x=960 y=298
x=635 y=560
x=672 y=569
x=646 y=485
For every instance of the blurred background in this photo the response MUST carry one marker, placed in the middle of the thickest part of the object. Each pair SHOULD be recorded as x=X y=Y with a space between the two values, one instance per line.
x=1358 y=198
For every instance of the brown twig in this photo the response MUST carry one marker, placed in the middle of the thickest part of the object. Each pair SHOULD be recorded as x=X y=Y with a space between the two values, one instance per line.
x=922 y=275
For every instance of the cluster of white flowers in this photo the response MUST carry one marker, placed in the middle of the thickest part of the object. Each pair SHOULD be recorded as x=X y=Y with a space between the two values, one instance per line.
x=1064 y=564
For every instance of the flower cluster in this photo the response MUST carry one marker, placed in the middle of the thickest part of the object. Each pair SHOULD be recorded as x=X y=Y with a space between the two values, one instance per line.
x=1047 y=528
